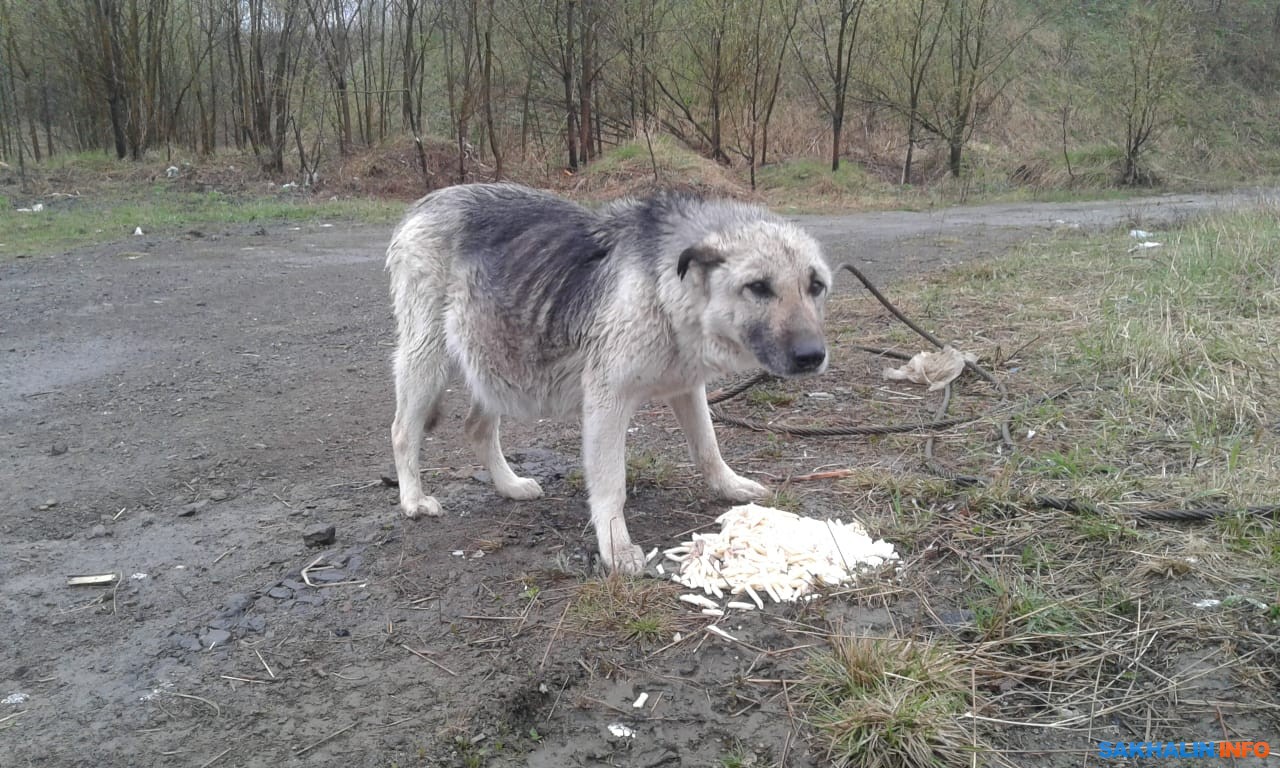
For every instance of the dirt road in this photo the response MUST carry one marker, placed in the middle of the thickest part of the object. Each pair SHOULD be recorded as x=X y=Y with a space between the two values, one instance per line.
x=180 y=411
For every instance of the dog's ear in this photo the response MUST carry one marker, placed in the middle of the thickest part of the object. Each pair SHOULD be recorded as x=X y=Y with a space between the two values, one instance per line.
x=703 y=255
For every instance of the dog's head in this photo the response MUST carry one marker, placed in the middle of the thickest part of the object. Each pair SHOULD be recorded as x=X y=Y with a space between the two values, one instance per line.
x=766 y=287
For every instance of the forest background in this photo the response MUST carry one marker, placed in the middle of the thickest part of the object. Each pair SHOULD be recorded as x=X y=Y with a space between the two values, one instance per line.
x=845 y=101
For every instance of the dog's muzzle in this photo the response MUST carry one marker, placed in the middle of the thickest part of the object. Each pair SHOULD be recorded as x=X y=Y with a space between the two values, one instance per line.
x=807 y=355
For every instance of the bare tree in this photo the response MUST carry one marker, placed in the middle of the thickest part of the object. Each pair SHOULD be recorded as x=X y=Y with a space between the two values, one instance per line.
x=700 y=83
x=331 y=24
x=902 y=66
x=1149 y=77
x=457 y=24
x=772 y=26
x=979 y=37
x=547 y=34
x=833 y=28
x=268 y=67
x=483 y=32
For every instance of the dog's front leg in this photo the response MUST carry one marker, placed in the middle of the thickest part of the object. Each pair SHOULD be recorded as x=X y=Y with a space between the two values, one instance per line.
x=604 y=463
x=695 y=419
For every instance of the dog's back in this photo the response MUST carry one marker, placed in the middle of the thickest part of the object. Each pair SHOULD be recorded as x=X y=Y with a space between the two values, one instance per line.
x=508 y=279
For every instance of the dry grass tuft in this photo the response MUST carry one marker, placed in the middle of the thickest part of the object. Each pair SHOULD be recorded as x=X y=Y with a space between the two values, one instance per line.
x=642 y=611
x=888 y=703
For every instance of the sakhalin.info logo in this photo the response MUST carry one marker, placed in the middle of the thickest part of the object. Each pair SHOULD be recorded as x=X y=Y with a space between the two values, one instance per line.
x=1193 y=749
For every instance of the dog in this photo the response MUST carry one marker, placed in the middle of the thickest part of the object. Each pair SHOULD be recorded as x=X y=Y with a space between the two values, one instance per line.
x=550 y=309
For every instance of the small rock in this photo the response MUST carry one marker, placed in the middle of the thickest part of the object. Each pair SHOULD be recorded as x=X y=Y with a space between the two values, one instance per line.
x=280 y=593
x=253 y=623
x=329 y=576
x=314 y=599
x=342 y=632
x=237 y=604
x=224 y=622
x=57 y=449
x=217 y=494
x=320 y=535
x=958 y=618
x=50 y=503
x=192 y=508
x=98 y=531
x=187 y=642
x=215 y=637
x=294 y=584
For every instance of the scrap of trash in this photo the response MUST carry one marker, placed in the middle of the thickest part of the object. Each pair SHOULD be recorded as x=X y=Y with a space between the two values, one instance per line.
x=1144 y=240
x=766 y=551
x=937 y=368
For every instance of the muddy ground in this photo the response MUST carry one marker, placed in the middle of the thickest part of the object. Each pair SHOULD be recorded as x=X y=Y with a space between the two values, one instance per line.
x=180 y=411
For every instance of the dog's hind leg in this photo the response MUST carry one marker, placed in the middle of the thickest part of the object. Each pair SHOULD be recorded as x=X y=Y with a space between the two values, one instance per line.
x=421 y=371
x=695 y=419
x=604 y=463
x=482 y=431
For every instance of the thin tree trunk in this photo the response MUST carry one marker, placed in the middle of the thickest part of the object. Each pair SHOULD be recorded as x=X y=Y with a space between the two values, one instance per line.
x=585 y=80
x=571 y=127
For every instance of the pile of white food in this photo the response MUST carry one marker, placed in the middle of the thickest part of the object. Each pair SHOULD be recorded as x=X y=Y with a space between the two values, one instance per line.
x=761 y=550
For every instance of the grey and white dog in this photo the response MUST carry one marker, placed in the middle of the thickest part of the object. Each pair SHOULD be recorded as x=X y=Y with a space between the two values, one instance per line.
x=550 y=309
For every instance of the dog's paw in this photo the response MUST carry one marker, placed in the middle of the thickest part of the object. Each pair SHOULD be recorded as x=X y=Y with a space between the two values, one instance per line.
x=521 y=489
x=628 y=560
x=425 y=505
x=739 y=488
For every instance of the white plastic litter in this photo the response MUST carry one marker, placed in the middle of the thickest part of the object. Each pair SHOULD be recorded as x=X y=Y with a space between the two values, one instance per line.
x=1141 y=234
x=137 y=231
x=640 y=700
x=782 y=554
x=1208 y=603
x=937 y=369
x=15 y=698
x=1142 y=246
x=621 y=731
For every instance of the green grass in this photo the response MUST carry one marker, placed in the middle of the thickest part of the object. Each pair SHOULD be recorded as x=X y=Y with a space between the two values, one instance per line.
x=1171 y=352
x=806 y=175
x=647 y=468
x=161 y=209
x=629 y=169
x=1164 y=363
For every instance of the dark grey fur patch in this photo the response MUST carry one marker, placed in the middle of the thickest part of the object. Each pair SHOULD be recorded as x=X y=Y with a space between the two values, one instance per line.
x=539 y=260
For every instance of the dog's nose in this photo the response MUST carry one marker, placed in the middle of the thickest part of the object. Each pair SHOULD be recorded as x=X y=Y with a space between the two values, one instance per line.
x=808 y=355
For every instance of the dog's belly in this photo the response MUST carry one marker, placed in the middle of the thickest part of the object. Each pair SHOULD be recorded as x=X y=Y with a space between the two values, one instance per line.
x=511 y=379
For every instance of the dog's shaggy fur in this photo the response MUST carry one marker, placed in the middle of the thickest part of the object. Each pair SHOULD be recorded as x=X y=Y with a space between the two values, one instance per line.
x=548 y=308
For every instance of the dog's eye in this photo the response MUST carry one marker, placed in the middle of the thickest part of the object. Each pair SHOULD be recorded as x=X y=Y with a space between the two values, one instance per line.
x=817 y=288
x=760 y=289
